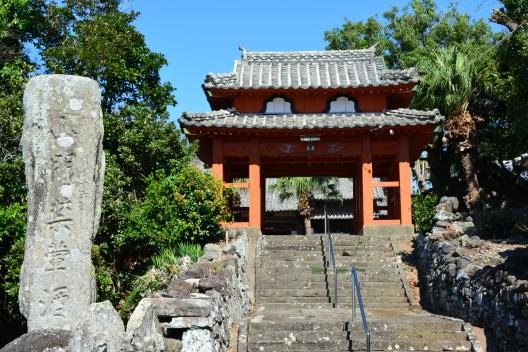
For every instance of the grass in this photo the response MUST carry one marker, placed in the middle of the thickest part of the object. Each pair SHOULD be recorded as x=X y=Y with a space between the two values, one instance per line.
x=169 y=258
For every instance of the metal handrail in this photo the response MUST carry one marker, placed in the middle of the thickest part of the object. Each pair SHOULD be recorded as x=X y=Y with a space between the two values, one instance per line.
x=356 y=289
x=330 y=247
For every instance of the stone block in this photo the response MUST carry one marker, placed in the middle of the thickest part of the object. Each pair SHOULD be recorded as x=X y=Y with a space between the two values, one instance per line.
x=188 y=323
x=216 y=282
x=143 y=329
x=173 y=345
x=175 y=307
x=212 y=251
x=40 y=341
x=63 y=154
x=98 y=329
x=198 y=271
x=197 y=340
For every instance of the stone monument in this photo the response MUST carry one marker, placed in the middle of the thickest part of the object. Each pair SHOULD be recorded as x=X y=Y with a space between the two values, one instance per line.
x=64 y=160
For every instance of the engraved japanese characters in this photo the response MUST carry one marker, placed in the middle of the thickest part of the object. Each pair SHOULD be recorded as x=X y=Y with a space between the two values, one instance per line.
x=62 y=147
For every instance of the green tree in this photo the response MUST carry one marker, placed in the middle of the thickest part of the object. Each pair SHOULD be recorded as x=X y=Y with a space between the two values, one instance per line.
x=451 y=81
x=103 y=44
x=96 y=38
x=355 y=35
x=407 y=35
x=305 y=189
x=21 y=21
x=513 y=57
x=406 y=38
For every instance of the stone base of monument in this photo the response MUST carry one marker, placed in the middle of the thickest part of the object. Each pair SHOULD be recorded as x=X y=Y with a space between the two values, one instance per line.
x=40 y=340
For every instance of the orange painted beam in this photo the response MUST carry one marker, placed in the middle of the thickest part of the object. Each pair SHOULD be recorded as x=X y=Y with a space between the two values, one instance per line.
x=366 y=184
x=240 y=185
x=255 y=181
x=405 y=181
x=386 y=184
x=217 y=167
x=231 y=225
x=235 y=149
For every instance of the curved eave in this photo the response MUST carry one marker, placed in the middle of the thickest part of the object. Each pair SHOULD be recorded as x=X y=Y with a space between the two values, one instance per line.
x=396 y=87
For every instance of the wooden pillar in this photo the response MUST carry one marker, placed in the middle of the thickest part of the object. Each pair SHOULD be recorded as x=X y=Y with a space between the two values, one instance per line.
x=366 y=182
x=405 y=181
x=255 y=196
x=218 y=158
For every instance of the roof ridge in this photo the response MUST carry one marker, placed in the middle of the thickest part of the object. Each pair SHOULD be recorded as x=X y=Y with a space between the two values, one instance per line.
x=310 y=69
x=371 y=49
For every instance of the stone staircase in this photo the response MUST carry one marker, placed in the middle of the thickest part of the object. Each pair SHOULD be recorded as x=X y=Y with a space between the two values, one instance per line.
x=296 y=310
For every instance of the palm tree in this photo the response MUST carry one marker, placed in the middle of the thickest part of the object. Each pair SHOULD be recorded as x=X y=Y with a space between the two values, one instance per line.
x=451 y=81
x=305 y=189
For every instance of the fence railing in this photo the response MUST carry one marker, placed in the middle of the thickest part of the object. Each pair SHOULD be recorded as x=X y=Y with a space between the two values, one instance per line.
x=331 y=255
x=356 y=292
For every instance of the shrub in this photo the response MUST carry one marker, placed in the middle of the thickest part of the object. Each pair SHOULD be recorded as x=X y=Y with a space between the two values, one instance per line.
x=185 y=206
x=423 y=210
x=12 y=237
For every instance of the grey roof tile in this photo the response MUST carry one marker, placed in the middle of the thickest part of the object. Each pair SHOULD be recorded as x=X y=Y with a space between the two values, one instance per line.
x=310 y=69
x=231 y=119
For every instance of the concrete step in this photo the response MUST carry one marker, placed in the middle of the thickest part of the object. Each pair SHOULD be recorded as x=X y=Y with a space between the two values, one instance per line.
x=296 y=313
x=341 y=284
x=335 y=239
x=430 y=323
x=285 y=306
x=343 y=289
x=325 y=299
x=392 y=307
x=318 y=292
x=358 y=334
x=327 y=343
x=341 y=249
x=287 y=254
x=379 y=264
x=341 y=277
x=293 y=247
x=307 y=247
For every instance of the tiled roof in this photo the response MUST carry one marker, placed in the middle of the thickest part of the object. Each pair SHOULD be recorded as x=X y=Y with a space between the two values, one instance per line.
x=310 y=69
x=229 y=119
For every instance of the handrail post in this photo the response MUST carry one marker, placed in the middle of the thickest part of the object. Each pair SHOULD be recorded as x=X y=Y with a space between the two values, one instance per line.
x=353 y=295
x=330 y=248
x=356 y=288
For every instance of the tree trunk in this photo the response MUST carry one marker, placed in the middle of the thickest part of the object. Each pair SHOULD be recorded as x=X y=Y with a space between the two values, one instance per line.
x=308 y=226
x=467 y=160
x=439 y=170
x=420 y=171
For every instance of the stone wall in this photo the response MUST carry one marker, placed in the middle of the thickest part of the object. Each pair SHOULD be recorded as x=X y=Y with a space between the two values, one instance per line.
x=201 y=310
x=479 y=281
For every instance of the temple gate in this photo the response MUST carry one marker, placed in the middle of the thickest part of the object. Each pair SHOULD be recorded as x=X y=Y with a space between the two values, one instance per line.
x=315 y=113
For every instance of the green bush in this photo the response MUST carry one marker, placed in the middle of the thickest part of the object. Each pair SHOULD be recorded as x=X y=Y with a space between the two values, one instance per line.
x=12 y=237
x=423 y=210
x=185 y=206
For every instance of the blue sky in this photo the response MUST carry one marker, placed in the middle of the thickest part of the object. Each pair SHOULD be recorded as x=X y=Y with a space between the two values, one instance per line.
x=201 y=36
